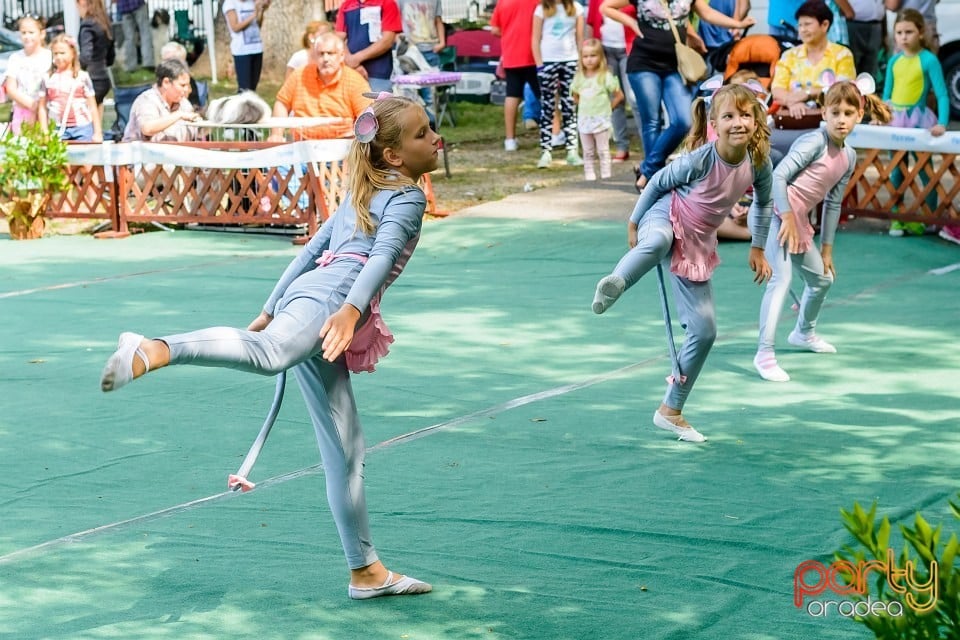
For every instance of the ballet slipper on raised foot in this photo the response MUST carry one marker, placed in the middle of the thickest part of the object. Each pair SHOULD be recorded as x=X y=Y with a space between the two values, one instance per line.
x=405 y=586
x=119 y=368
x=608 y=290
x=679 y=426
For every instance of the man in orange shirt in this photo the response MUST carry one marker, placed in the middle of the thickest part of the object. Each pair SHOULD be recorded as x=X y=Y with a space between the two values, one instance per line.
x=325 y=87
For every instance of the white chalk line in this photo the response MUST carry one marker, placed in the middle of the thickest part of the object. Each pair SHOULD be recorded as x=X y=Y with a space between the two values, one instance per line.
x=944 y=270
x=520 y=401
x=137 y=274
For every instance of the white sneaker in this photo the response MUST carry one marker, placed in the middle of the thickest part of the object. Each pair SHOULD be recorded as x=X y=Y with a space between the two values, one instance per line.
x=679 y=426
x=812 y=342
x=510 y=144
x=766 y=365
x=546 y=158
x=559 y=139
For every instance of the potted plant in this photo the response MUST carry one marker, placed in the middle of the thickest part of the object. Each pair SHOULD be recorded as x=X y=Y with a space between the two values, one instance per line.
x=34 y=167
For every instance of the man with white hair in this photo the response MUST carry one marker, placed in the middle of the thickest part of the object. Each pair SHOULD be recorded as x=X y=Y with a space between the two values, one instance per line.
x=325 y=87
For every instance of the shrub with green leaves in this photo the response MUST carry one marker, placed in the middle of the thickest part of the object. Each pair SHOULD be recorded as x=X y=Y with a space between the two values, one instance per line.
x=35 y=160
x=924 y=556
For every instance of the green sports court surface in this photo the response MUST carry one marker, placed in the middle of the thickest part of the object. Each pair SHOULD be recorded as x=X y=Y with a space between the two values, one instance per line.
x=512 y=462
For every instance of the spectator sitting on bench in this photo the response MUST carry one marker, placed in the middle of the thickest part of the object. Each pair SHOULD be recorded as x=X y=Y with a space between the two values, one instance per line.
x=326 y=87
x=158 y=114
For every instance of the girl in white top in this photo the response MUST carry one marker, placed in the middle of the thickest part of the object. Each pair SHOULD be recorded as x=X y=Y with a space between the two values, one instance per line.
x=244 y=19
x=557 y=34
x=25 y=72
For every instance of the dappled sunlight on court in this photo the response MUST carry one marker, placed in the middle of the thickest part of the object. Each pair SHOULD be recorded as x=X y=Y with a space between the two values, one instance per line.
x=512 y=461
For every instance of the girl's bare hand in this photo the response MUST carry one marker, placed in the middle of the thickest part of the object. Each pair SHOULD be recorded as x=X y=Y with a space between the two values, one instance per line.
x=788 y=236
x=631 y=234
x=260 y=322
x=759 y=265
x=337 y=331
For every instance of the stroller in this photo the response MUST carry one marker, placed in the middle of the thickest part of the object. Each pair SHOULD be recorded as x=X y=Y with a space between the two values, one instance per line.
x=758 y=53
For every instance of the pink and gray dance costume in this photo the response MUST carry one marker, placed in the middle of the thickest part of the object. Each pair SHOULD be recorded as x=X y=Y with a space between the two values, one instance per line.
x=340 y=264
x=677 y=215
x=814 y=170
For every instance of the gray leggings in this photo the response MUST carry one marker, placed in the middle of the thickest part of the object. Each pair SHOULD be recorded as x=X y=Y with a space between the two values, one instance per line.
x=816 y=285
x=291 y=341
x=694 y=300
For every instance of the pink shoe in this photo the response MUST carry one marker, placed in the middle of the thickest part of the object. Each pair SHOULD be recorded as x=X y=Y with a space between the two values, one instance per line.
x=950 y=234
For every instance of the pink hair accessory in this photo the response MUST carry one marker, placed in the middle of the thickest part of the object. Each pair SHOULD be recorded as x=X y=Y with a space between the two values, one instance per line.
x=366 y=126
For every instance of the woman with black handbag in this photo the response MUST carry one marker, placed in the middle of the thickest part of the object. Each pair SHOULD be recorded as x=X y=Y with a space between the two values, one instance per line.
x=653 y=71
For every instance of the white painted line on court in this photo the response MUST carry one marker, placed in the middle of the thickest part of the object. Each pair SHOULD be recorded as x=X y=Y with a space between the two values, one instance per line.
x=942 y=270
x=407 y=437
x=80 y=536
x=137 y=274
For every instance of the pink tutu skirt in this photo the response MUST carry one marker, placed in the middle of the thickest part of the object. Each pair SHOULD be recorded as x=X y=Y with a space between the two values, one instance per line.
x=373 y=339
x=370 y=342
x=920 y=117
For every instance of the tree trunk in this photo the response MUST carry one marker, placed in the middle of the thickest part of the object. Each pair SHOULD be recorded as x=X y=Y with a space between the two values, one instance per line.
x=282 y=29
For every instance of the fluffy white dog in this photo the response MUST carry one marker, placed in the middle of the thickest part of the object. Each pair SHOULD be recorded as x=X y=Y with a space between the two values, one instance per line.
x=244 y=108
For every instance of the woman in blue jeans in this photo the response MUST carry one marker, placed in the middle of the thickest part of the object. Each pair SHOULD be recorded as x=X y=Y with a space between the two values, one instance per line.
x=653 y=75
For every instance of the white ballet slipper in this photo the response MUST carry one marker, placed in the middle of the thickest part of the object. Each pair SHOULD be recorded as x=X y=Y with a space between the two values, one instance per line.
x=119 y=368
x=683 y=431
x=405 y=586
x=609 y=289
